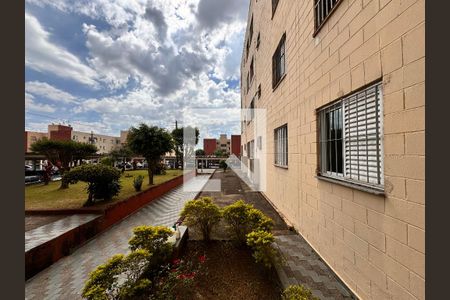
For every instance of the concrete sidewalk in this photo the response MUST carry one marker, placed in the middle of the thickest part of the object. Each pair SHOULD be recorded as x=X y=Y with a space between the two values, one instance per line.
x=65 y=279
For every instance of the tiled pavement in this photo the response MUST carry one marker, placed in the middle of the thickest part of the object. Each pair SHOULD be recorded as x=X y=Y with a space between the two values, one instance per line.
x=65 y=278
x=42 y=234
x=302 y=265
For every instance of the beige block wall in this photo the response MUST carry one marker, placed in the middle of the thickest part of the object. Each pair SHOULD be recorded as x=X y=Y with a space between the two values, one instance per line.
x=104 y=143
x=376 y=244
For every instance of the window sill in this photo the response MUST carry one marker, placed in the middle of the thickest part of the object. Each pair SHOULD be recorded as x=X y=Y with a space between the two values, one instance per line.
x=281 y=166
x=367 y=189
x=279 y=82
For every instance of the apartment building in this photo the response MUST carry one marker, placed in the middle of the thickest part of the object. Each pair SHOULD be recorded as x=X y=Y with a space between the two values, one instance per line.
x=342 y=83
x=104 y=143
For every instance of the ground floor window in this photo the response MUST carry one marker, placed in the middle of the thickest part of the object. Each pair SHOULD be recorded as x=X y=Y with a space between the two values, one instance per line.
x=281 y=146
x=350 y=138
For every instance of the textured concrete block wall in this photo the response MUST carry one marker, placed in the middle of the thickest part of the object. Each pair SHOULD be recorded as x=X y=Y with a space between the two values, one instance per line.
x=376 y=244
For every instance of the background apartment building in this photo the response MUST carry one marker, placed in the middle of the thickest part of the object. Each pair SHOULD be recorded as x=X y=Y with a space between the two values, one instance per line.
x=343 y=84
x=104 y=143
x=227 y=145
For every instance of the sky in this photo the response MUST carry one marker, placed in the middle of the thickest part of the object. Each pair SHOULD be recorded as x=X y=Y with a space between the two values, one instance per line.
x=104 y=66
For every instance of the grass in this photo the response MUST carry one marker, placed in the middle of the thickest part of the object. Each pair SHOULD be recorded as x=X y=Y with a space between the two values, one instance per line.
x=51 y=197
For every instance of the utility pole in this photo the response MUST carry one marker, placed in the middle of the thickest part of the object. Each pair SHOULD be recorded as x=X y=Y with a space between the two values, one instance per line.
x=176 y=146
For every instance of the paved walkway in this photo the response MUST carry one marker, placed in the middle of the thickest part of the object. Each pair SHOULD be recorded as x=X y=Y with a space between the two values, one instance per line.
x=65 y=278
x=302 y=264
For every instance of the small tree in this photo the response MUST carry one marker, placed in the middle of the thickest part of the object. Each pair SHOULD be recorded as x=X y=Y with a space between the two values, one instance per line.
x=62 y=153
x=183 y=145
x=203 y=214
x=223 y=165
x=103 y=181
x=219 y=153
x=200 y=152
x=151 y=142
x=122 y=154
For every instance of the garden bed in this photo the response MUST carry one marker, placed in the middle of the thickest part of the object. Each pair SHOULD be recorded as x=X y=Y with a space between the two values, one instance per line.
x=231 y=273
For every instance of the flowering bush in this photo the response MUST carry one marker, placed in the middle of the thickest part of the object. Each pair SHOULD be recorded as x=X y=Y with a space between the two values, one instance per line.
x=176 y=281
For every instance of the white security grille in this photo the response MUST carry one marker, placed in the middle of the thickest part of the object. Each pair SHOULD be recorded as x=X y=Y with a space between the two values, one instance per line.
x=363 y=132
x=351 y=144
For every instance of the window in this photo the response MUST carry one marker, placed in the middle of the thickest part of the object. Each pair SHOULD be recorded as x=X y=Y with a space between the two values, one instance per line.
x=250 y=35
x=274 y=6
x=350 y=138
x=248 y=82
x=258 y=92
x=278 y=62
x=281 y=146
x=247 y=47
x=322 y=9
x=252 y=70
x=258 y=40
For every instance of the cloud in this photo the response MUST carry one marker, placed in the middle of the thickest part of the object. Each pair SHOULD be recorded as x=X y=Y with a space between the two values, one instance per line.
x=43 y=56
x=30 y=104
x=212 y=13
x=156 y=16
x=49 y=92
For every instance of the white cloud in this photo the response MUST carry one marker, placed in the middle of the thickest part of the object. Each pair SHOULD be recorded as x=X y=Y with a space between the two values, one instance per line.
x=44 y=56
x=49 y=92
x=31 y=105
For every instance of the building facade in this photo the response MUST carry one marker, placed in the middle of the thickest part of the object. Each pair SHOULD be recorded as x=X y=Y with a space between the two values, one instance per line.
x=342 y=83
x=235 y=145
x=209 y=146
x=104 y=143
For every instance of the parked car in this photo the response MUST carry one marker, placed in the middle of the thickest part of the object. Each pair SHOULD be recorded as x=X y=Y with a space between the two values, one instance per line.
x=32 y=179
x=128 y=166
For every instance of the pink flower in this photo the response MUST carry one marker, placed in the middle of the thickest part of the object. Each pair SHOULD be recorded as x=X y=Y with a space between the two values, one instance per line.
x=202 y=258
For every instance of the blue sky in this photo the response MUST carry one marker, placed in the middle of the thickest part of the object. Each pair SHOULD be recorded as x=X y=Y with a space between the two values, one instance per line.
x=107 y=65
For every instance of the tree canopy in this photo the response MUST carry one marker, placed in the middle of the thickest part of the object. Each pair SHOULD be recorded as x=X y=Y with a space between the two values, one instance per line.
x=200 y=152
x=152 y=143
x=62 y=153
x=185 y=138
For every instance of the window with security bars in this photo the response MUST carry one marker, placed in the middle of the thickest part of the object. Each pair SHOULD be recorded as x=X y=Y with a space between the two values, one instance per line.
x=351 y=145
x=281 y=146
x=322 y=9
x=278 y=62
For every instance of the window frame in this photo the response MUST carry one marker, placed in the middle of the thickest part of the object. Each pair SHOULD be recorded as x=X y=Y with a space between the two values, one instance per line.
x=318 y=27
x=284 y=163
x=276 y=61
x=343 y=178
x=274 y=7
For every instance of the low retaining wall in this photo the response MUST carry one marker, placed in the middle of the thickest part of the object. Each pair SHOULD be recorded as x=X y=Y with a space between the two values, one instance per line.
x=44 y=255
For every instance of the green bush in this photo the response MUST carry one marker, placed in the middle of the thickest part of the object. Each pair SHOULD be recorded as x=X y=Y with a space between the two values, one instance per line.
x=103 y=181
x=261 y=243
x=137 y=182
x=107 y=161
x=244 y=218
x=154 y=240
x=298 y=292
x=119 y=278
x=202 y=214
x=160 y=169
x=223 y=165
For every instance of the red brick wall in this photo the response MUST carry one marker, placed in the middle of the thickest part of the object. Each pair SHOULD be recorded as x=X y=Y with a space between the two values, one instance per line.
x=63 y=133
x=236 y=145
x=209 y=145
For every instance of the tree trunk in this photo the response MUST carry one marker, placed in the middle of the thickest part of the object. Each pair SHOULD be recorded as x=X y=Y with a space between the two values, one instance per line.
x=150 y=175
x=64 y=183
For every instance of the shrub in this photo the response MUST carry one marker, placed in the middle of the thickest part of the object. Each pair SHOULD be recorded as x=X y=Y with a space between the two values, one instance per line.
x=202 y=214
x=119 y=278
x=298 y=292
x=103 y=181
x=223 y=165
x=160 y=169
x=244 y=218
x=107 y=161
x=137 y=182
x=261 y=243
x=154 y=240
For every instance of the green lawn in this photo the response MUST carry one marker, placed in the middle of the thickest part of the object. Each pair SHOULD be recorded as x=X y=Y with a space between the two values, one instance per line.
x=50 y=197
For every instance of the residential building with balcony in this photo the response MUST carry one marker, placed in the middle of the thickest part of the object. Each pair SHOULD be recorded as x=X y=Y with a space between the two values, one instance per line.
x=342 y=83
